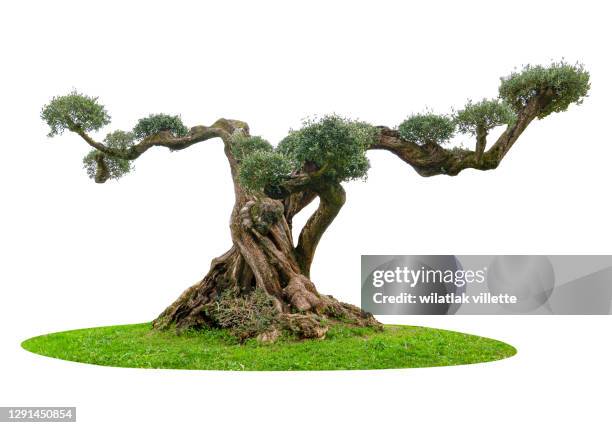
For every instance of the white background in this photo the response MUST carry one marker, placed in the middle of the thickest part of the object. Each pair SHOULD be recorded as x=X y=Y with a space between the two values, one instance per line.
x=77 y=254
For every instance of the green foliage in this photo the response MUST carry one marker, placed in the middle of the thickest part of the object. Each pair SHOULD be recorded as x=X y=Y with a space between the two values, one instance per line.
x=244 y=316
x=426 y=128
x=332 y=143
x=263 y=169
x=243 y=146
x=120 y=140
x=73 y=112
x=117 y=167
x=567 y=84
x=160 y=122
x=484 y=115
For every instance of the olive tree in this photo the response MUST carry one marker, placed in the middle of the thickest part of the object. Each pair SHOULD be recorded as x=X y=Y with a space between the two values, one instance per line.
x=262 y=285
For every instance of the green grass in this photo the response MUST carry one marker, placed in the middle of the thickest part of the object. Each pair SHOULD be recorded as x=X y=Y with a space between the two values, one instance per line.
x=343 y=348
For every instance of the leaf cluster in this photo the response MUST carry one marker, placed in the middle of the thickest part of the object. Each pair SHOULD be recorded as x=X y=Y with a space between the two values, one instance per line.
x=424 y=128
x=483 y=116
x=243 y=145
x=156 y=123
x=263 y=169
x=333 y=144
x=74 y=112
x=561 y=82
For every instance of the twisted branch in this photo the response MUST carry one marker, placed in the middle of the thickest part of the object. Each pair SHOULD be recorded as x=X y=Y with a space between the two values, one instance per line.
x=431 y=159
x=222 y=128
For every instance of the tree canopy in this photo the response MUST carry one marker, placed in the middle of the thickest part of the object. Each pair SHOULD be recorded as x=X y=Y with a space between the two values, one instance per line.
x=332 y=148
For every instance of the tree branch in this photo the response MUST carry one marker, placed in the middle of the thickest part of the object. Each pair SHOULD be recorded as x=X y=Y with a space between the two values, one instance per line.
x=222 y=128
x=102 y=173
x=296 y=202
x=481 y=143
x=430 y=160
x=331 y=200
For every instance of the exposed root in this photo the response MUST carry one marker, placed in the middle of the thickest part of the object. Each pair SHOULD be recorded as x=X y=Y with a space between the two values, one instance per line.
x=187 y=311
x=302 y=294
x=171 y=315
x=348 y=314
x=307 y=326
x=255 y=314
x=311 y=325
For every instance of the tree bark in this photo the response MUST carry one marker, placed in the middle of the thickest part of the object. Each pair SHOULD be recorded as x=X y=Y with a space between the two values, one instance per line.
x=264 y=258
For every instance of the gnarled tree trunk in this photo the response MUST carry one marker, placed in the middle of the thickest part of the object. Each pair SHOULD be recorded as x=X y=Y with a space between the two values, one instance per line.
x=264 y=261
